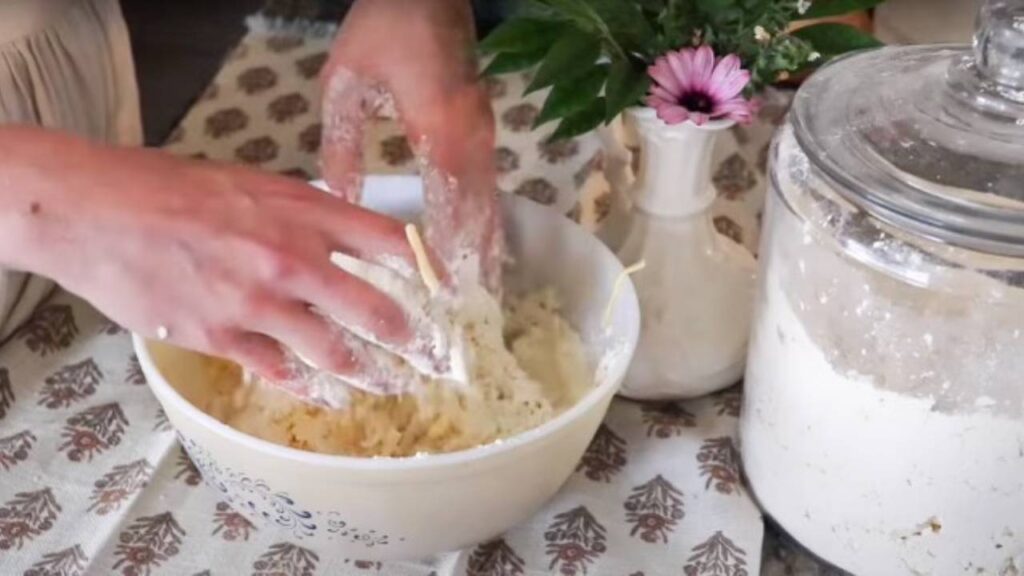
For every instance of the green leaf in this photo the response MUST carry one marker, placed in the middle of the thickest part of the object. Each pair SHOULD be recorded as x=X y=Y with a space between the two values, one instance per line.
x=512 y=62
x=826 y=8
x=521 y=35
x=832 y=39
x=627 y=83
x=625 y=21
x=567 y=98
x=569 y=58
x=580 y=122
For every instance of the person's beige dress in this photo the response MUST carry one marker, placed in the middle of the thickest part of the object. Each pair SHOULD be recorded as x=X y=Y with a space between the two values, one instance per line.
x=67 y=65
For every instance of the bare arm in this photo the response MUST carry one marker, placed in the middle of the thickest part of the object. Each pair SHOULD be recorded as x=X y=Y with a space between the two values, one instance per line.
x=228 y=260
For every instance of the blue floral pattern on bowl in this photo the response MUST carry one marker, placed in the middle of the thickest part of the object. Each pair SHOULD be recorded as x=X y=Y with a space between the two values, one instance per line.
x=255 y=499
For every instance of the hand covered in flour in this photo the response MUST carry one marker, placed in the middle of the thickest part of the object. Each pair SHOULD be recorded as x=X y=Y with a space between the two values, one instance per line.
x=419 y=55
x=218 y=258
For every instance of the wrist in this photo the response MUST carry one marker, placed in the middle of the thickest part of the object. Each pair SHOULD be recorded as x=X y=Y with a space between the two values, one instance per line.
x=36 y=171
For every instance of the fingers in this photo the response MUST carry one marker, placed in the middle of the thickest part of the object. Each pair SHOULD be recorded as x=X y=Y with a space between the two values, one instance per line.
x=259 y=353
x=333 y=353
x=308 y=335
x=345 y=110
x=353 y=303
x=365 y=234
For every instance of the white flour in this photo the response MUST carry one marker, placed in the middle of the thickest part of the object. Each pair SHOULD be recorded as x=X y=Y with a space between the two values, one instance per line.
x=877 y=482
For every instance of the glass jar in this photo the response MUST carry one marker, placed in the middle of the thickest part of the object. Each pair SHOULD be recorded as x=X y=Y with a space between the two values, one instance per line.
x=883 y=417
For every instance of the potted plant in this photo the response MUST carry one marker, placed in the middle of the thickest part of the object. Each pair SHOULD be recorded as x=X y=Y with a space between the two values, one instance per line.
x=682 y=71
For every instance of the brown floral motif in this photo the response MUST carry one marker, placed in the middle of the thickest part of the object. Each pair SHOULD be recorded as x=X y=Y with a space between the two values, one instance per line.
x=15 y=448
x=160 y=421
x=6 y=392
x=134 y=375
x=539 y=190
x=574 y=540
x=297 y=173
x=595 y=163
x=70 y=384
x=520 y=117
x=176 y=135
x=92 y=431
x=365 y=564
x=240 y=52
x=147 y=544
x=773 y=113
x=230 y=524
x=257 y=150
x=187 y=471
x=734 y=177
x=717 y=556
x=26 y=516
x=605 y=456
x=281 y=43
x=762 y=158
x=654 y=509
x=728 y=402
x=287 y=107
x=729 y=228
x=110 y=328
x=118 y=485
x=286 y=559
x=506 y=160
x=256 y=80
x=211 y=92
x=603 y=206
x=720 y=462
x=575 y=213
x=495 y=558
x=666 y=419
x=309 y=138
x=225 y=122
x=740 y=134
x=395 y=150
x=50 y=329
x=309 y=66
x=558 y=151
x=496 y=87
x=67 y=562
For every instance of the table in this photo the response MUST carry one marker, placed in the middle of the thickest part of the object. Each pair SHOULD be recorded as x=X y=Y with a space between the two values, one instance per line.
x=92 y=480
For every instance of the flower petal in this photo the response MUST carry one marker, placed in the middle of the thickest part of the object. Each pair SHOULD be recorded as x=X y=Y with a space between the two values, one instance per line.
x=681 y=63
x=736 y=109
x=663 y=74
x=732 y=85
x=722 y=78
x=703 y=67
x=670 y=113
x=665 y=95
x=698 y=118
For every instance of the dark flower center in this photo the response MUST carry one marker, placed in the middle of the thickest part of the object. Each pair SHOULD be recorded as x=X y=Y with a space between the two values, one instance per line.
x=697 y=102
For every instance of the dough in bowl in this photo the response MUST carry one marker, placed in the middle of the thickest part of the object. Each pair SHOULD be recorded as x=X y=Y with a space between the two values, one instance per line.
x=525 y=363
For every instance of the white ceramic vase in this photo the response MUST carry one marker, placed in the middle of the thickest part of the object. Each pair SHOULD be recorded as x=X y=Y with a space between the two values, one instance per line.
x=696 y=292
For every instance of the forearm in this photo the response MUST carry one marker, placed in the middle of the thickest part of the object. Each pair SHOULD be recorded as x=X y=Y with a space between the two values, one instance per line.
x=38 y=170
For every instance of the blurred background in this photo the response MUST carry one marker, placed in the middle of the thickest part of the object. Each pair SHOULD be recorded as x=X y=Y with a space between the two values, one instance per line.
x=179 y=46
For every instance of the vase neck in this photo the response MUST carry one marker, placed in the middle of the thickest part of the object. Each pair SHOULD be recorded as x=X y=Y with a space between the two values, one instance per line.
x=675 y=165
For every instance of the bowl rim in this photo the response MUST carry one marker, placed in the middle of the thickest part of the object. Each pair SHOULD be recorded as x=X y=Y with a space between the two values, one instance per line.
x=167 y=393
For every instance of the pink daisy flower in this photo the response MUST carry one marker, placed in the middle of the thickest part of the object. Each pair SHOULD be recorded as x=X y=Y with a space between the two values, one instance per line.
x=691 y=84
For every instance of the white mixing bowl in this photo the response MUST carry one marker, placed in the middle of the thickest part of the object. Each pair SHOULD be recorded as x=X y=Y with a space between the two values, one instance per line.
x=400 y=508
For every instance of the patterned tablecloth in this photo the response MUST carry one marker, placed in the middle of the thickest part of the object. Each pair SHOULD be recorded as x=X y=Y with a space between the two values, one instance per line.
x=92 y=480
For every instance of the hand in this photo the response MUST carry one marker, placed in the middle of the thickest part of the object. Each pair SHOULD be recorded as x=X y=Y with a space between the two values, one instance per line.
x=228 y=260
x=420 y=54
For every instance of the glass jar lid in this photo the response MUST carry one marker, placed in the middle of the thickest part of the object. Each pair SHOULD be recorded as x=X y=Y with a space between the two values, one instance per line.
x=928 y=138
